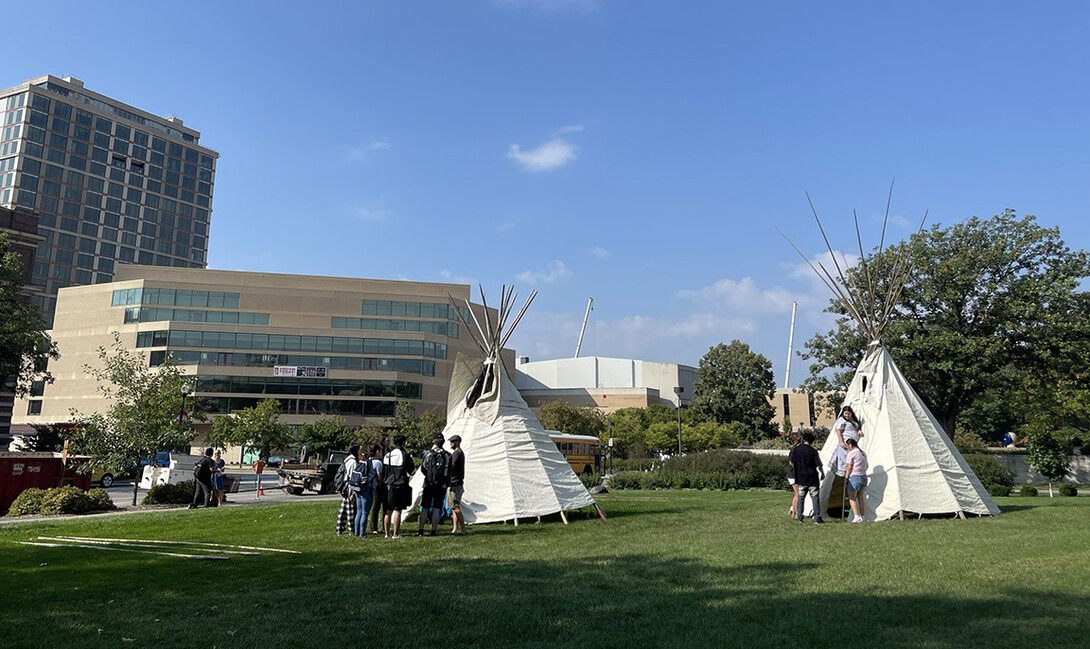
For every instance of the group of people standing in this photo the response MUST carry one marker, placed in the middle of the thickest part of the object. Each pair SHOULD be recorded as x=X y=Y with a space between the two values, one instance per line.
x=805 y=472
x=376 y=486
x=208 y=480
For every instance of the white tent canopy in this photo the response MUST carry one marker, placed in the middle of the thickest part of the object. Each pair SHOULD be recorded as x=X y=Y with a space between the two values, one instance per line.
x=914 y=468
x=513 y=468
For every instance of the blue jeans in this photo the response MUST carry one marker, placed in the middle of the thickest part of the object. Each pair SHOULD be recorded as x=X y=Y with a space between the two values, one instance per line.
x=813 y=491
x=364 y=499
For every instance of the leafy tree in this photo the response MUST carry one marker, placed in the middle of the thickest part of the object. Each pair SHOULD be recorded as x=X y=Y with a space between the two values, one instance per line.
x=258 y=427
x=990 y=312
x=143 y=417
x=25 y=349
x=735 y=384
x=46 y=439
x=418 y=428
x=1046 y=454
x=324 y=435
x=571 y=420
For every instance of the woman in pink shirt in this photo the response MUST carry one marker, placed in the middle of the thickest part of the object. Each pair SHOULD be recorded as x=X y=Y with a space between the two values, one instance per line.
x=856 y=476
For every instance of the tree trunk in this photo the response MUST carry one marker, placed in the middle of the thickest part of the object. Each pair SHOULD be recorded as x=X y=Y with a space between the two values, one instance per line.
x=135 y=482
x=1050 y=489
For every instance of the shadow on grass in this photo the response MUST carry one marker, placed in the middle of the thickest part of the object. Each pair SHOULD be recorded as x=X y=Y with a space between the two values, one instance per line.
x=632 y=600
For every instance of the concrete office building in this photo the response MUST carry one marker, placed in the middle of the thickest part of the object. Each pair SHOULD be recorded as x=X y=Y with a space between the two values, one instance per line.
x=111 y=183
x=607 y=384
x=320 y=345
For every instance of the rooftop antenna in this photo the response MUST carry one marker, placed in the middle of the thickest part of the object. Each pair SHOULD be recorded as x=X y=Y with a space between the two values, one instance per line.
x=586 y=316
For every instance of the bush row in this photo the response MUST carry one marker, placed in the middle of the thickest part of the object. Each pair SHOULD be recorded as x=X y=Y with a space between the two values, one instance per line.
x=170 y=494
x=60 y=500
x=990 y=470
x=1031 y=491
x=720 y=469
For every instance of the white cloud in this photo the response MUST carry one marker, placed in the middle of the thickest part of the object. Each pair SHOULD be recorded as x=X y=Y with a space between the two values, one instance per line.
x=356 y=153
x=553 y=6
x=372 y=214
x=505 y=226
x=600 y=252
x=743 y=295
x=451 y=278
x=576 y=128
x=555 y=272
x=553 y=154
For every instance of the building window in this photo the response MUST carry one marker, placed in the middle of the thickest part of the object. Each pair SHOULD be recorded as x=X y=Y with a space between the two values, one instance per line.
x=34 y=407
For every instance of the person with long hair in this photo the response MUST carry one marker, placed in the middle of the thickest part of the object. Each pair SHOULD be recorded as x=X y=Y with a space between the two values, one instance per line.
x=855 y=474
x=847 y=426
x=378 y=507
x=791 y=479
x=347 y=513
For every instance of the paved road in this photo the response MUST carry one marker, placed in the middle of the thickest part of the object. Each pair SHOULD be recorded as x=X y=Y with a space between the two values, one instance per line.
x=121 y=492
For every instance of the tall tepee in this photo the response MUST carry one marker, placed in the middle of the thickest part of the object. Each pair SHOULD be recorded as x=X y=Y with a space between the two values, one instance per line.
x=914 y=467
x=513 y=468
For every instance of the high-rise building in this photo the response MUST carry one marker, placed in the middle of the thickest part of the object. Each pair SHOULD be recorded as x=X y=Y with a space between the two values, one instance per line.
x=112 y=184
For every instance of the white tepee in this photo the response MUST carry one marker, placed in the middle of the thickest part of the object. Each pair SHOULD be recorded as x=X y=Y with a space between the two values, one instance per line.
x=513 y=468
x=913 y=466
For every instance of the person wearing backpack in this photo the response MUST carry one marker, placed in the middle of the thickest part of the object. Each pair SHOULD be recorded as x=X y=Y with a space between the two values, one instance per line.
x=363 y=480
x=347 y=512
x=202 y=478
x=436 y=467
x=380 y=507
x=397 y=466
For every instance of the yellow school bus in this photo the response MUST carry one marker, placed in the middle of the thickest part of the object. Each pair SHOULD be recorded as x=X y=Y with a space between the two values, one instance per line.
x=583 y=452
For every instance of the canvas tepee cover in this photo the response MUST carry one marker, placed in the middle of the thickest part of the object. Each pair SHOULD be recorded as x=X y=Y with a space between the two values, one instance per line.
x=913 y=466
x=513 y=468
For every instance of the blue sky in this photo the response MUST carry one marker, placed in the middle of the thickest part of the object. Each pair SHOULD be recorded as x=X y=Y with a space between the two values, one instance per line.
x=637 y=152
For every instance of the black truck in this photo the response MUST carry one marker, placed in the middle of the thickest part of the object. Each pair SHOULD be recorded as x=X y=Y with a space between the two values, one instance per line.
x=299 y=478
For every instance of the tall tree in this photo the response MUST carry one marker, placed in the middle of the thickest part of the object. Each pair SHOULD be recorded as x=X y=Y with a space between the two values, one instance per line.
x=735 y=384
x=144 y=415
x=989 y=304
x=418 y=428
x=1046 y=454
x=571 y=420
x=25 y=349
x=324 y=435
x=258 y=426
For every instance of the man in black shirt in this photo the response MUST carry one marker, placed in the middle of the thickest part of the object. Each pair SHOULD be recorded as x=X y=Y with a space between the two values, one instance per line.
x=202 y=477
x=457 y=484
x=807 y=465
x=397 y=466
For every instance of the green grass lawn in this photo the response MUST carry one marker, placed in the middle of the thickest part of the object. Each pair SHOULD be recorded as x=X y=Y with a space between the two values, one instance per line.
x=669 y=568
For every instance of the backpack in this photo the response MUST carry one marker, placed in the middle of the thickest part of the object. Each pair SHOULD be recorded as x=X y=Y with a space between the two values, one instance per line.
x=362 y=476
x=341 y=479
x=201 y=471
x=436 y=467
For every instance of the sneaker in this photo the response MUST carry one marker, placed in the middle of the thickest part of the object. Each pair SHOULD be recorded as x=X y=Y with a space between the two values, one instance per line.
x=818 y=520
x=396 y=538
x=857 y=519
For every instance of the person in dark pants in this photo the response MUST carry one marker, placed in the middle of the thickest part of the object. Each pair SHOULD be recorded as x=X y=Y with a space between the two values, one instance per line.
x=807 y=464
x=202 y=478
x=436 y=467
x=457 y=485
x=379 y=507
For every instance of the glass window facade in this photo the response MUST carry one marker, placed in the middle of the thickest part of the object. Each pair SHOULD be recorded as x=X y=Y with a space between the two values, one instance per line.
x=58 y=124
x=277 y=342
x=413 y=309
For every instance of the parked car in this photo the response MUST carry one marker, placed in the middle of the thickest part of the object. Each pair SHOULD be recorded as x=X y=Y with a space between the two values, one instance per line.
x=105 y=478
x=277 y=461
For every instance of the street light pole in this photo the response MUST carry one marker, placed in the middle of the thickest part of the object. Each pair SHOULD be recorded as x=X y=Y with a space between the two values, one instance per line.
x=678 y=391
x=181 y=413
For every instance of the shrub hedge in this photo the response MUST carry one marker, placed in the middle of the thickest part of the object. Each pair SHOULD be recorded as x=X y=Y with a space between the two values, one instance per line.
x=590 y=479
x=1027 y=490
x=170 y=494
x=999 y=490
x=719 y=469
x=60 y=500
x=990 y=470
x=1069 y=490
